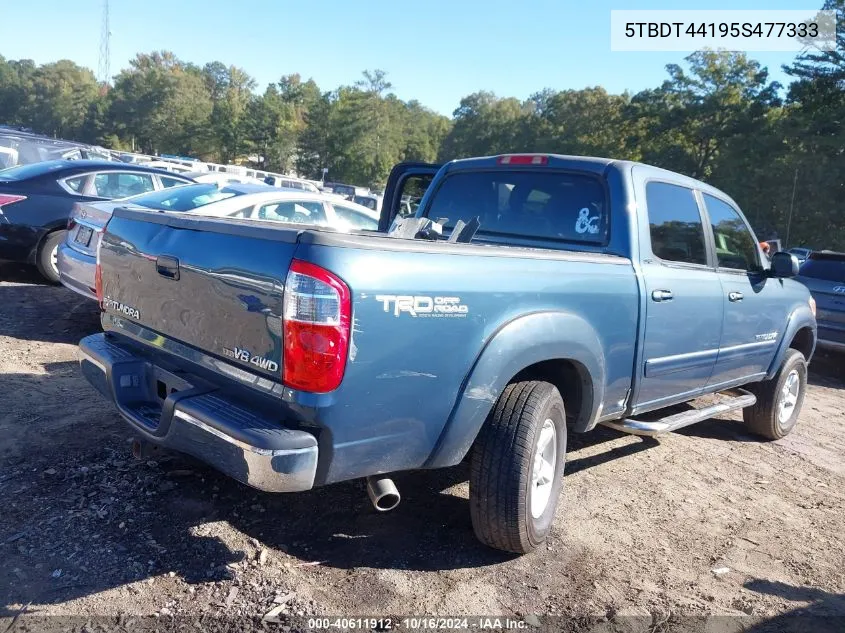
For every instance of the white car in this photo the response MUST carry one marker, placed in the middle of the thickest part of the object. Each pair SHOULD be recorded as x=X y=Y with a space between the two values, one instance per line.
x=288 y=182
x=295 y=207
x=77 y=256
x=221 y=178
x=166 y=165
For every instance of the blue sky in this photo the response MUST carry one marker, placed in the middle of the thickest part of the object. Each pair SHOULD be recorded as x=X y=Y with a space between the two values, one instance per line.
x=435 y=51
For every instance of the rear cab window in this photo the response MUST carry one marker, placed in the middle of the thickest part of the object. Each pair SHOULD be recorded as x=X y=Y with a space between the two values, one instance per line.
x=547 y=205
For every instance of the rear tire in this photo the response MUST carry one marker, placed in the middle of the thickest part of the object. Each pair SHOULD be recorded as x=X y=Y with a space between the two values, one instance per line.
x=779 y=400
x=516 y=471
x=47 y=258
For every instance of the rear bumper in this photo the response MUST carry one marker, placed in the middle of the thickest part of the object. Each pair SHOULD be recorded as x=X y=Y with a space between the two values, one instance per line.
x=834 y=346
x=194 y=418
x=76 y=271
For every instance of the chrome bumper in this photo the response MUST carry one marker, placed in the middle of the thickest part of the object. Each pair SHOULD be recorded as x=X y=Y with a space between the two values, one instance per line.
x=194 y=419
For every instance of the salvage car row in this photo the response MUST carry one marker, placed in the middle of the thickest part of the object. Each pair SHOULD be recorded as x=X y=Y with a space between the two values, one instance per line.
x=292 y=339
x=51 y=212
x=531 y=295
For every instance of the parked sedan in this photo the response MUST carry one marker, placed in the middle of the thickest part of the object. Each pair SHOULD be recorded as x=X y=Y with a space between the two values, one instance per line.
x=77 y=256
x=824 y=274
x=36 y=201
x=800 y=252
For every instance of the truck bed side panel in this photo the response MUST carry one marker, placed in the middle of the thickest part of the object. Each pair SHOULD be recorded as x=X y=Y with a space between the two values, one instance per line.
x=409 y=364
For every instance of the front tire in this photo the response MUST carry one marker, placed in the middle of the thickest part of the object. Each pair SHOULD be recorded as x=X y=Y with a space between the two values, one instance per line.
x=516 y=471
x=47 y=259
x=779 y=400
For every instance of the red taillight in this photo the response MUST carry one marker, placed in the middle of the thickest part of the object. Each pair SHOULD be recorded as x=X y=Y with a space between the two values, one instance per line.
x=10 y=199
x=98 y=274
x=523 y=159
x=317 y=314
x=71 y=223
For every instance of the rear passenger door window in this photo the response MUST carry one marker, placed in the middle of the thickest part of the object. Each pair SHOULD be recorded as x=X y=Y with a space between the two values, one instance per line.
x=294 y=211
x=170 y=182
x=736 y=246
x=355 y=219
x=121 y=185
x=675 y=226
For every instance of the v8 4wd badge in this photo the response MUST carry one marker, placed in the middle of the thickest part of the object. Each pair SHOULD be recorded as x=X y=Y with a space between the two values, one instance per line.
x=245 y=356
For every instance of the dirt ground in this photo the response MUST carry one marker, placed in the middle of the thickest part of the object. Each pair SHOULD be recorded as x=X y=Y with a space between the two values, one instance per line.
x=708 y=529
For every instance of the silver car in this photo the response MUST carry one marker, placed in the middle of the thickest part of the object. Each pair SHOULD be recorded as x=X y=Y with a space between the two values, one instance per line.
x=78 y=254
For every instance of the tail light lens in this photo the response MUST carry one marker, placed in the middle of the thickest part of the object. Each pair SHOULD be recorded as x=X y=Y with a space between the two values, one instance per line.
x=7 y=199
x=523 y=159
x=317 y=317
x=98 y=274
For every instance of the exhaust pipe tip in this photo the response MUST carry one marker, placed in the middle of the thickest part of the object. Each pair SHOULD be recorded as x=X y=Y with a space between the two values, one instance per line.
x=143 y=450
x=383 y=493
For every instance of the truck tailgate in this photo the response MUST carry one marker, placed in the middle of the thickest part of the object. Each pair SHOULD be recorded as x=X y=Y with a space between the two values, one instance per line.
x=218 y=289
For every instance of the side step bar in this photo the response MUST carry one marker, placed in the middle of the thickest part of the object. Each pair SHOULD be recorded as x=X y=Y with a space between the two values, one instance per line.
x=685 y=418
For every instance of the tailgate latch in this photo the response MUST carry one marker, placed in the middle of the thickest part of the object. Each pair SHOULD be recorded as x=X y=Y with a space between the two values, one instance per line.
x=167 y=266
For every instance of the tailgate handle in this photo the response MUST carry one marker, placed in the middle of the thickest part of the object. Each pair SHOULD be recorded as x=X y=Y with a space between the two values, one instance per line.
x=167 y=266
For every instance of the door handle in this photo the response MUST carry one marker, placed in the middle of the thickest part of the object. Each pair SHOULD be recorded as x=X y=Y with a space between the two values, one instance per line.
x=167 y=266
x=662 y=295
x=735 y=296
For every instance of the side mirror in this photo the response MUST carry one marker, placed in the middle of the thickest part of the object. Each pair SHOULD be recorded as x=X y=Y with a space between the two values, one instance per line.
x=783 y=265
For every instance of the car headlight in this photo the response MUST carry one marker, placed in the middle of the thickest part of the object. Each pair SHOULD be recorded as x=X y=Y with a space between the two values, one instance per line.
x=812 y=303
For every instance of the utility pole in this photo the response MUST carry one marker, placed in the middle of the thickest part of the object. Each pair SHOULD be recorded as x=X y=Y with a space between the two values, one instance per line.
x=791 y=205
x=105 y=53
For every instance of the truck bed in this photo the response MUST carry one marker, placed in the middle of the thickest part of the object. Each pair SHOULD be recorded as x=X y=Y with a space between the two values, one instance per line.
x=424 y=315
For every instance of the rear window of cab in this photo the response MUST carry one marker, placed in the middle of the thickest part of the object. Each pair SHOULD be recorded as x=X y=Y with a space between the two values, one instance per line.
x=547 y=205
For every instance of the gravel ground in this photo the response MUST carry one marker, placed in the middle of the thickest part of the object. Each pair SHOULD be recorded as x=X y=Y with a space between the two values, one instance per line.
x=707 y=529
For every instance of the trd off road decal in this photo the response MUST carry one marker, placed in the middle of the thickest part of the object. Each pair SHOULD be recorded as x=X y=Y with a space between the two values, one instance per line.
x=423 y=306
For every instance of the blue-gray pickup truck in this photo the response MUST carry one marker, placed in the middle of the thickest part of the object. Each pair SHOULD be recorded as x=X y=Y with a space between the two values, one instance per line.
x=590 y=291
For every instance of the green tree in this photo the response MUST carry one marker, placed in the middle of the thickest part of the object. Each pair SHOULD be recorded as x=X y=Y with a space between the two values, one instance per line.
x=61 y=94
x=588 y=122
x=485 y=124
x=685 y=123
x=160 y=104
x=231 y=94
x=16 y=79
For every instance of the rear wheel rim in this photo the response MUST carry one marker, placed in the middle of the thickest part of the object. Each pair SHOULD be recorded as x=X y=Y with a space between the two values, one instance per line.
x=54 y=259
x=543 y=469
x=788 y=396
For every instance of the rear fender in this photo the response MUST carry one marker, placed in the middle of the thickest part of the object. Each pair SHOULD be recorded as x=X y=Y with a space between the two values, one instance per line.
x=514 y=347
x=801 y=317
x=43 y=232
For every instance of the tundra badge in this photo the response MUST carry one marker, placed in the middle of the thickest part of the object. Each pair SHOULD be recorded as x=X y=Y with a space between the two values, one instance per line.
x=117 y=306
